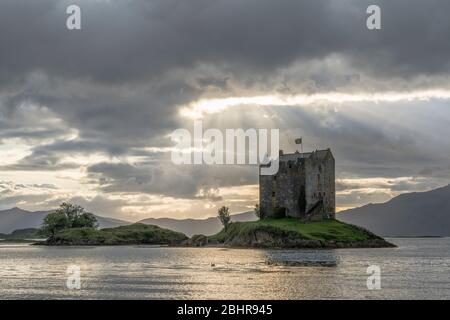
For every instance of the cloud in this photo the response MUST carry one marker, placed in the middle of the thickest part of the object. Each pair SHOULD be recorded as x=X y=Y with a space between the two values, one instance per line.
x=167 y=179
x=17 y=194
x=145 y=39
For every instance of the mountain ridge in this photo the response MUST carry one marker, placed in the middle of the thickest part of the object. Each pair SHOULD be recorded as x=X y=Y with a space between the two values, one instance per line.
x=410 y=214
x=190 y=227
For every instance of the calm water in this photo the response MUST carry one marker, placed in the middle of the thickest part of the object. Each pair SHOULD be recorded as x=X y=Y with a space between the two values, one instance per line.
x=417 y=269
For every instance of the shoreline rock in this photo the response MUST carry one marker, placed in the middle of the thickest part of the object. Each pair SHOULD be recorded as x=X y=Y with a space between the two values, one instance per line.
x=305 y=244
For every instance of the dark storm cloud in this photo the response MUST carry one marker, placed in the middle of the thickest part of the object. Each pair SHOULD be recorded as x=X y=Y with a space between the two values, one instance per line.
x=122 y=76
x=39 y=162
x=126 y=113
x=131 y=40
x=182 y=181
x=30 y=134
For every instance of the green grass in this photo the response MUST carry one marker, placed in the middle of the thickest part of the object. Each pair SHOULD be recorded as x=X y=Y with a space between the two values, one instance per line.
x=325 y=231
x=321 y=230
x=130 y=234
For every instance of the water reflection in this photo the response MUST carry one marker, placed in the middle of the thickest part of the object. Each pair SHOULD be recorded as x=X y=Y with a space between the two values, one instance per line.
x=303 y=258
x=417 y=269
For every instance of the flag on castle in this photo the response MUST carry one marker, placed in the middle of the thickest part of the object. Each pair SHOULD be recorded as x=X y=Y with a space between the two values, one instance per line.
x=300 y=142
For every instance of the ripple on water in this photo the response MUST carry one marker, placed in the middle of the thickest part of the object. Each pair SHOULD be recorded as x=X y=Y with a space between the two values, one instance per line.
x=417 y=269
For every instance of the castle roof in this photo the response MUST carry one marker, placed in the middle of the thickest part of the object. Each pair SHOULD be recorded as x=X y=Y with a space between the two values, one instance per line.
x=320 y=154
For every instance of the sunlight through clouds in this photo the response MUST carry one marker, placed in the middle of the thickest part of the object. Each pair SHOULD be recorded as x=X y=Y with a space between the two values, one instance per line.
x=202 y=107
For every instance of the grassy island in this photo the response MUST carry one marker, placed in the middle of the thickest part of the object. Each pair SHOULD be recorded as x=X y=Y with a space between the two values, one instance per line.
x=292 y=233
x=125 y=235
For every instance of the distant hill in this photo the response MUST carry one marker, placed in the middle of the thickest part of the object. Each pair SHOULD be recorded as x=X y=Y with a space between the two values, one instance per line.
x=407 y=215
x=16 y=218
x=190 y=227
x=29 y=233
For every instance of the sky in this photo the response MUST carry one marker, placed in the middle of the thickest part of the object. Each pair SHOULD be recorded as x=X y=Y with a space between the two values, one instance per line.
x=86 y=115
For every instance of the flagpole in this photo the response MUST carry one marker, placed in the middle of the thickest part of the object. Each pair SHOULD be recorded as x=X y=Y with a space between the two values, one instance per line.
x=300 y=142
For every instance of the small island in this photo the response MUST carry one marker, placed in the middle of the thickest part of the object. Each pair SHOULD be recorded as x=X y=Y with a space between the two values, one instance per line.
x=71 y=225
x=291 y=233
x=133 y=234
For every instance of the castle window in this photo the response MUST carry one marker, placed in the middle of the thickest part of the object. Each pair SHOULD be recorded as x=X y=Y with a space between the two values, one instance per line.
x=274 y=178
x=273 y=194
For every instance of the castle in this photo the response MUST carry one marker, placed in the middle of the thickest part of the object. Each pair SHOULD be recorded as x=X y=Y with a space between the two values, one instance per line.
x=303 y=187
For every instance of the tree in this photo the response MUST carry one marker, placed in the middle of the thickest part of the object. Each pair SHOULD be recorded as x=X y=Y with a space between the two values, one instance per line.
x=85 y=220
x=224 y=216
x=257 y=211
x=78 y=218
x=53 y=223
x=67 y=216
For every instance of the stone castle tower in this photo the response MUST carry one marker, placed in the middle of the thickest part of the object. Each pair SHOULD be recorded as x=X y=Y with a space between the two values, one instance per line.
x=304 y=187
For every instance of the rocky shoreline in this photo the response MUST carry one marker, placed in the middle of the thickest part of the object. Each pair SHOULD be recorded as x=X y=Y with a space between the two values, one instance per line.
x=288 y=244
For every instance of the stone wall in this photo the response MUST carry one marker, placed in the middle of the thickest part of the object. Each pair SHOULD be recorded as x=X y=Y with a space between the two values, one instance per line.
x=302 y=188
x=320 y=185
x=283 y=191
